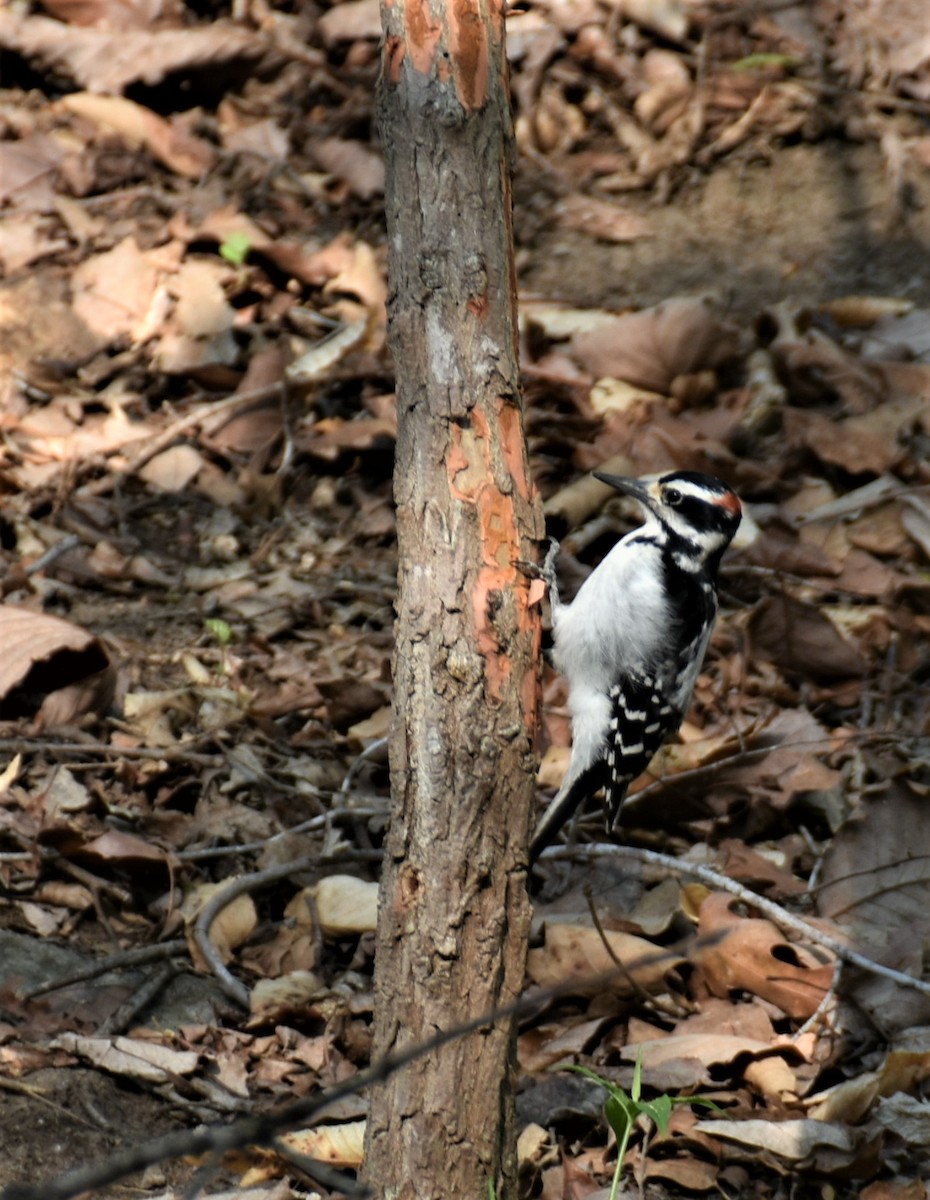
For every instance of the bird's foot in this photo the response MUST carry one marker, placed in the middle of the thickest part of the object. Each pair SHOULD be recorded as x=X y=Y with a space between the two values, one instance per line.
x=544 y=570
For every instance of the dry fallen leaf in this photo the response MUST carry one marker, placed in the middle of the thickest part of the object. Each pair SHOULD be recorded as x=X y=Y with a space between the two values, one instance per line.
x=131 y=1057
x=47 y=657
x=177 y=148
x=750 y=954
x=355 y=162
x=346 y=905
x=173 y=470
x=232 y=926
x=601 y=219
x=792 y=1142
x=653 y=347
x=113 y=291
x=109 y=60
x=338 y=1145
x=273 y=999
x=800 y=639
x=576 y=954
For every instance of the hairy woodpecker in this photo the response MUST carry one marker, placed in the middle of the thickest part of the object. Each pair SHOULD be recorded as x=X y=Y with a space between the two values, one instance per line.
x=632 y=641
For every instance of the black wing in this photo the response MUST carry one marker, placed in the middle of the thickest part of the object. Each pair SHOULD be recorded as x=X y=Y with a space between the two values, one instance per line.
x=641 y=720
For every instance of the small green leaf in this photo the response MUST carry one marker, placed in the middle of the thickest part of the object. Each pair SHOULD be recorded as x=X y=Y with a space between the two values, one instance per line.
x=620 y=1114
x=658 y=1111
x=700 y=1102
x=235 y=248
x=220 y=630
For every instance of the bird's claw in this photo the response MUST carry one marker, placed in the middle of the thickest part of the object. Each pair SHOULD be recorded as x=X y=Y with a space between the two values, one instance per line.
x=544 y=570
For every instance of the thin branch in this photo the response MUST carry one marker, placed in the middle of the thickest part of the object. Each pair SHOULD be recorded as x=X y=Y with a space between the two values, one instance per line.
x=261 y=1130
x=139 y=1001
x=649 y=1001
x=112 y=962
x=781 y=916
x=231 y=986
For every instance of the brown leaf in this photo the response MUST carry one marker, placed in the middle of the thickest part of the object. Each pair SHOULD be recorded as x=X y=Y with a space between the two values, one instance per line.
x=25 y=238
x=338 y=1145
x=354 y=162
x=666 y=17
x=875 y=879
x=690 y=1174
x=131 y=1057
x=904 y=1070
x=107 y=61
x=125 y=849
x=176 y=147
x=113 y=14
x=349 y=700
x=746 y=865
x=798 y=638
x=871 y=442
x=750 y=954
x=172 y=470
x=790 y=1142
x=653 y=347
x=349 y=21
x=346 y=905
x=113 y=291
x=28 y=172
x=577 y=953
x=232 y=926
x=47 y=657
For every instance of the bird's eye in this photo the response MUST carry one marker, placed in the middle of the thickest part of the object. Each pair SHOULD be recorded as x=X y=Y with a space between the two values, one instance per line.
x=672 y=497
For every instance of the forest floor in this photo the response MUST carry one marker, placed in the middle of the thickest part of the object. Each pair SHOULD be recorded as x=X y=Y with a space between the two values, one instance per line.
x=723 y=246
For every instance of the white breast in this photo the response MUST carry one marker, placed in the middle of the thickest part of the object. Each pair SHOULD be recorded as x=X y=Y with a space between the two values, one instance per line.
x=619 y=620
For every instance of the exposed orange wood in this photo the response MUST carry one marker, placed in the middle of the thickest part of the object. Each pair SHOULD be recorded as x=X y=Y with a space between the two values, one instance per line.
x=423 y=34
x=468 y=45
x=471 y=472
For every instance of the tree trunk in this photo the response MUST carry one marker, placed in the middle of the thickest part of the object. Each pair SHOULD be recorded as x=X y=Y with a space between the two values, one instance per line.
x=454 y=912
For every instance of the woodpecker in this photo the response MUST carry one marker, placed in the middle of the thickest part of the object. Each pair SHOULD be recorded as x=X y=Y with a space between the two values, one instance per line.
x=632 y=642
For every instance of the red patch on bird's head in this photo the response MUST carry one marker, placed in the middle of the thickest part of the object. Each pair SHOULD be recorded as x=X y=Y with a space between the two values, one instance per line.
x=730 y=501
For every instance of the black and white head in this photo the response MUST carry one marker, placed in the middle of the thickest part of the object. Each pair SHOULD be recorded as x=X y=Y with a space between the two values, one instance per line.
x=698 y=514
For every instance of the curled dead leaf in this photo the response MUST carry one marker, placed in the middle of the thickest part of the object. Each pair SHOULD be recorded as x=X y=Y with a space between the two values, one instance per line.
x=131 y=1057
x=338 y=1145
x=792 y=1142
x=51 y=667
x=179 y=149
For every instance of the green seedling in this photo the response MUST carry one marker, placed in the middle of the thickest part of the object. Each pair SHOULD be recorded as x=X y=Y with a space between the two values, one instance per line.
x=622 y=1110
x=220 y=629
x=235 y=248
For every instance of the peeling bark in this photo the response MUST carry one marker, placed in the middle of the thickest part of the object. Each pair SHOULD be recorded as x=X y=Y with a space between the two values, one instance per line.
x=454 y=912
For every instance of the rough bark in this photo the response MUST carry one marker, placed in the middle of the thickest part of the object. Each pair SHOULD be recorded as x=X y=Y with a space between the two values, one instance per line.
x=454 y=912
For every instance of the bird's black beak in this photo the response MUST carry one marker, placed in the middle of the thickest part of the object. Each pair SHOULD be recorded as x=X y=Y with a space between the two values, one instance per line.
x=637 y=488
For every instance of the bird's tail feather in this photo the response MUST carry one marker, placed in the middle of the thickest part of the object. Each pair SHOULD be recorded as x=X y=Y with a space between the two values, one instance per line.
x=567 y=800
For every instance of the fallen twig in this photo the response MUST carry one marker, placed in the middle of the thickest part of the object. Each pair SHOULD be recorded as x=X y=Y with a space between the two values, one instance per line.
x=260 y=1130
x=781 y=916
x=112 y=962
x=231 y=986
